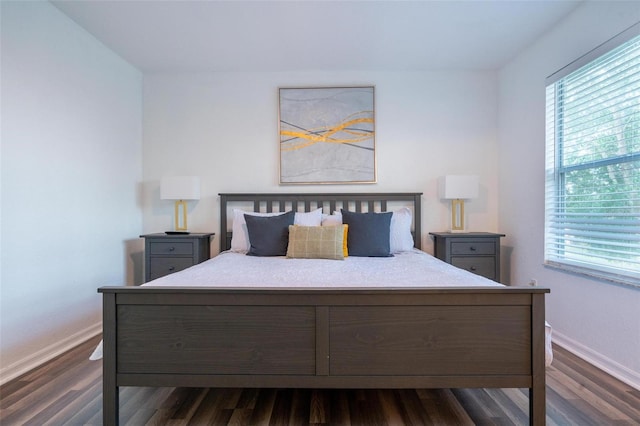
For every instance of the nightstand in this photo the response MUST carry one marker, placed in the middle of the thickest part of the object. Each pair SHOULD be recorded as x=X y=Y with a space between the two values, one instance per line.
x=477 y=252
x=165 y=254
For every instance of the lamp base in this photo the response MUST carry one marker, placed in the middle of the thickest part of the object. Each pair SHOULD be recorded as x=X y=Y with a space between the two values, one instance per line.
x=177 y=232
x=181 y=205
x=457 y=216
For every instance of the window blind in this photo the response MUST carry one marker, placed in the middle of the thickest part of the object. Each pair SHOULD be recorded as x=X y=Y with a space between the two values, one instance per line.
x=592 y=192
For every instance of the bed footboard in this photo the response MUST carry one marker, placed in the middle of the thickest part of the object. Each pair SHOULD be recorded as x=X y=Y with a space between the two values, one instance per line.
x=309 y=338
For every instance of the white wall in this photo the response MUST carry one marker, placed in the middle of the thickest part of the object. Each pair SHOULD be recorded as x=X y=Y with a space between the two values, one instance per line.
x=71 y=171
x=595 y=319
x=223 y=127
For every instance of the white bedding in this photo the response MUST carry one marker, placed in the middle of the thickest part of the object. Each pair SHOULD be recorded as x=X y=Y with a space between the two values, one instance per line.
x=410 y=269
x=407 y=269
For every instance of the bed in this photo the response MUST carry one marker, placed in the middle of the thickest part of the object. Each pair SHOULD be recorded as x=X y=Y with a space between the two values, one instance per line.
x=310 y=335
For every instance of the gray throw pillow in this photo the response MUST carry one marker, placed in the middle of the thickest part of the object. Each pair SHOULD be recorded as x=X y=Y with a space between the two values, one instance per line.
x=269 y=235
x=368 y=233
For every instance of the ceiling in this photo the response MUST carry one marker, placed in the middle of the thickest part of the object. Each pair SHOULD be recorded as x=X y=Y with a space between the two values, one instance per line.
x=305 y=35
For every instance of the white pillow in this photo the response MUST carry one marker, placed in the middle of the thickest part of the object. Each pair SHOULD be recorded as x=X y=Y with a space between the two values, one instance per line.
x=240 y=238
x=312 y=218
x=332 y=220
x=400 y=238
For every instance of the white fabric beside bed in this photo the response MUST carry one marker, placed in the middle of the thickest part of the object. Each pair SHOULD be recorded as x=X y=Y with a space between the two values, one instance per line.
x=412 y=269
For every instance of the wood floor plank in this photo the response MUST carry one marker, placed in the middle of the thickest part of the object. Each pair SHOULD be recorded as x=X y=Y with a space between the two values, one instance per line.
x=339 y=403
x=40 y=392
x=261 y=414
x=319 y=407
x=451 y=408
x=143 y=416
x=511 y=407
x=474 y=404
x=299 y=410
x=230 y=399
x=239 y=417
x=368 y=414
x=248 y=398
x=390 y=407
x=570 y=413
x=579 y=391
x=45 y=415
x=68 y=391
x=83 y=397
x=209 y=405
x=614 y=392
x=413 y=408
x=132 y=399
x=282 y=403
x=89 y=407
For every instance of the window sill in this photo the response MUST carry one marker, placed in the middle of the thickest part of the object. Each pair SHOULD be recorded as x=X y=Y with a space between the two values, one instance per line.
x=609 y=278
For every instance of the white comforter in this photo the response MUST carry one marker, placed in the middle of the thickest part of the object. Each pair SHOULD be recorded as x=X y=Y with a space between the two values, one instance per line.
x=404 y=270
x=408 y=269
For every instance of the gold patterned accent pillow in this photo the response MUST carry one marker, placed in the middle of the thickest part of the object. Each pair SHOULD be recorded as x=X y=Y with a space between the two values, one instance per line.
x=316 y=242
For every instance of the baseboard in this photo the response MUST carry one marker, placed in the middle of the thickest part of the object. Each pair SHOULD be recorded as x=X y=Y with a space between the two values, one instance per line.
x=605 y=364
x=27 y=364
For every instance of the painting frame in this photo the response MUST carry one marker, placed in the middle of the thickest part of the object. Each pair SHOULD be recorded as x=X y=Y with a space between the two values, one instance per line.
x=327 y=135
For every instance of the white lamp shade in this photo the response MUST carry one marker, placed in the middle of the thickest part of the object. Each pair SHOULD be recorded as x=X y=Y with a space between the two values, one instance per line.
x=180 y=188
x=463 y=187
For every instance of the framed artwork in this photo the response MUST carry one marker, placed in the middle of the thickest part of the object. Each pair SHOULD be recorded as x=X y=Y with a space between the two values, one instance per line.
x=327 y=135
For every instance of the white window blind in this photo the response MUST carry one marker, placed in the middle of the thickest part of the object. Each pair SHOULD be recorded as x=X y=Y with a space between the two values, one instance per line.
x=592 y=216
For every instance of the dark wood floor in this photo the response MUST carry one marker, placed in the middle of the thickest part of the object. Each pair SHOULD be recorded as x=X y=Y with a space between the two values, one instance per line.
x=68 y=391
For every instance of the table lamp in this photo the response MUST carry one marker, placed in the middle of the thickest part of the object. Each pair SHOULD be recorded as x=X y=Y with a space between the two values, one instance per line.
x=458 y=188
x=180 y=188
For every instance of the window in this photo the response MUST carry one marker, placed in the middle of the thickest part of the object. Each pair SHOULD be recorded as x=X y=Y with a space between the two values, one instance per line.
x=592 y=216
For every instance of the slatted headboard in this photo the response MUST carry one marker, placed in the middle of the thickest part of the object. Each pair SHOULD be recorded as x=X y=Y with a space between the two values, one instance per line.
x=358 y=202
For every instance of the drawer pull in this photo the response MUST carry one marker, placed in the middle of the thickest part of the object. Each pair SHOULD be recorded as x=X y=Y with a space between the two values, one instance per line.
x=473 y=268
x=172 y=268
x=172 y=248
x=472 y=248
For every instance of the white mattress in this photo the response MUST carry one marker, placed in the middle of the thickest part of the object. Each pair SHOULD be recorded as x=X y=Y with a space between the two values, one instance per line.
x=412 y=269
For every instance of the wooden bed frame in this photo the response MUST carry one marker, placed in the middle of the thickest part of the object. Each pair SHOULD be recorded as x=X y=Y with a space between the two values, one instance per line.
x=324 y=338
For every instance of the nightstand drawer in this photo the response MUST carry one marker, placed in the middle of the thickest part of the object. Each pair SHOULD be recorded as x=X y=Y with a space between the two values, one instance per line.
x=174 y=249
x=161 y=266
x=472 y=248
x=484 y=266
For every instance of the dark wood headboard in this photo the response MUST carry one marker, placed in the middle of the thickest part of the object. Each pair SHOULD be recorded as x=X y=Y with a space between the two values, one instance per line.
x=358 y=202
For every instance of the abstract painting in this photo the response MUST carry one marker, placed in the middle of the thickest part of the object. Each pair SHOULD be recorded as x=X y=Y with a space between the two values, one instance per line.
x=327 y=135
